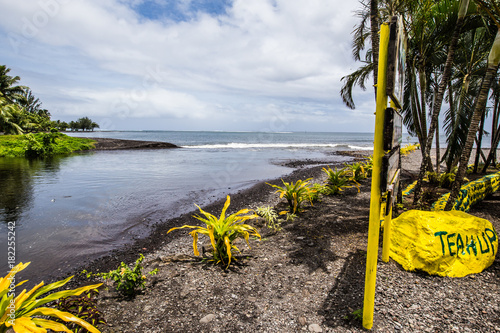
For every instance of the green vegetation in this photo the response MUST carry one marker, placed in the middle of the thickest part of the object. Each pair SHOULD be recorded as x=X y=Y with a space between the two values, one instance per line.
x=336 y=182
x=84 y=124
x=270 y=216
x=21 y=112
x=223 y=232
x=452 y=57
x=27 y=313
x=295 y=193
x=128 y=281
x=84 y=307
x=41 y=144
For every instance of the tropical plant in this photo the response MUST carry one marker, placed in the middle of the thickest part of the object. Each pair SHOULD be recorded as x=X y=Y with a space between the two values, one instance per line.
x=129 y=281
x=270 y=216
x=26 y=313
x=8 y=86
x=8 y=113
x=490 y=10
x=84 y=307
x=337 y=181
x=357 y=171
x=295 y=193
x=223 y=232
x=368 y=165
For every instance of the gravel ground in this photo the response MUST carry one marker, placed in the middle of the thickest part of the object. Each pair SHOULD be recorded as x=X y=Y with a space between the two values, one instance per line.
x=308 y=277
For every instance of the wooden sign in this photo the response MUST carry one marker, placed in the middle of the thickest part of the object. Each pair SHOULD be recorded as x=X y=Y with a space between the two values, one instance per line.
x=396 y=61
x=392 y=191
x=393 y=129
x=390 y=165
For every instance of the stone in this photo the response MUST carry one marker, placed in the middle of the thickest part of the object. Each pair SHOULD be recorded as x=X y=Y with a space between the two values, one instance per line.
x=451 y=243
x=302 y=321
x=315 y=328
x=208 y=318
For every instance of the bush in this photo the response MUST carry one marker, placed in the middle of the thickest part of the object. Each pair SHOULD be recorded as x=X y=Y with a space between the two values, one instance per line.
x=128 y=281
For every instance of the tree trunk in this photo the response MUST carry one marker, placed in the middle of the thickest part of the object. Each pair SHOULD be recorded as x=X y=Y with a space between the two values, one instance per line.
x=493 y=61
x=479 y=141
x=438 y=153
x=374 y=28
x=493 y=150
x=439 y=98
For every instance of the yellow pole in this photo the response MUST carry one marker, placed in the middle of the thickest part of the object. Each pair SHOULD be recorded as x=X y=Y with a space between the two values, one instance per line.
x=378 y=153
x=387 y=236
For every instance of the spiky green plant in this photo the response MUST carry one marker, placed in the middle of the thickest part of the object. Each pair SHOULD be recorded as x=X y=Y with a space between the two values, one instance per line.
x=357 y=171
x=295 y=193
x=223 y=232
x=368 y=165
x=27 y=313
x=337 y=180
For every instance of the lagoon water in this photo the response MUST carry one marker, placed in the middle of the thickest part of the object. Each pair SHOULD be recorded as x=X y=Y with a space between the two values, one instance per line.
x=74 y=208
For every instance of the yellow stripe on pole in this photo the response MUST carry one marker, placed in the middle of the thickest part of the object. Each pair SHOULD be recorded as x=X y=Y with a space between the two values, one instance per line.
x=378 y=153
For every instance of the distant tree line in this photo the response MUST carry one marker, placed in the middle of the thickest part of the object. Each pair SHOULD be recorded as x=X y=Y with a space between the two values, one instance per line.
x=21 y=112
x=84 y=124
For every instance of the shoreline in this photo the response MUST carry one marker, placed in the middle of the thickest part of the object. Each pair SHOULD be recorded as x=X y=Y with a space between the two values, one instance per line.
x=254 y=196
x=119 y=144
x=309 y=274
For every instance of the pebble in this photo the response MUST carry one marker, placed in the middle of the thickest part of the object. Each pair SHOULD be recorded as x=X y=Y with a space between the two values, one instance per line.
x=302 y=321
x=208 y=318
x=315 y=328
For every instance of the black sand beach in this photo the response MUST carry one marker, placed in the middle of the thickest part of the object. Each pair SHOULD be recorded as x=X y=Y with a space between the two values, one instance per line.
x=307 y=277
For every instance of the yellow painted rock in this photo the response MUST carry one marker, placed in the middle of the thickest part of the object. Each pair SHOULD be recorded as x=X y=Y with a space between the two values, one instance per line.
x=451 y=243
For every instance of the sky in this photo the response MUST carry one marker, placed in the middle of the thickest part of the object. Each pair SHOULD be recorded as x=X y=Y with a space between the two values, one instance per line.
x=229 y=65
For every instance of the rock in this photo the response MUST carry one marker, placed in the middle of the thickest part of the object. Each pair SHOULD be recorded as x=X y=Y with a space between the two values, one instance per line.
x=451 y=243
x=208 y=318
x=302 y=321
x=315 y=328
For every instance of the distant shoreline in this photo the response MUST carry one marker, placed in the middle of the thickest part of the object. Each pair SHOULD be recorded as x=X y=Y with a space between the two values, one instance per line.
x=118 y=144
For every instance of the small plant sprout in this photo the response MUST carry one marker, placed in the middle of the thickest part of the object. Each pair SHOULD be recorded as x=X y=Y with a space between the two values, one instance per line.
x=129 y=281
x=223 y=232
x=270 y=216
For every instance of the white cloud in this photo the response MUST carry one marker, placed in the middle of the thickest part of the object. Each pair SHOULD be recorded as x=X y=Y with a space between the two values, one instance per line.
x=284 y=53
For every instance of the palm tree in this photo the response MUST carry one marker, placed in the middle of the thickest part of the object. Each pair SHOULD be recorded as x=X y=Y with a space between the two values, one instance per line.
x=491 y=10
x=8 y=113
x=30 y=103
x=470 y=62
x=464 y=4
x=10 y=91
x=375 y=11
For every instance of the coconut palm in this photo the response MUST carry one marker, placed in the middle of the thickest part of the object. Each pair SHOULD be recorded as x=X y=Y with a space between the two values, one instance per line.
x=437 y=102
x=374 y=11
x=491 y=10
x=464 y=86
x=8 y=86
x=8 y=116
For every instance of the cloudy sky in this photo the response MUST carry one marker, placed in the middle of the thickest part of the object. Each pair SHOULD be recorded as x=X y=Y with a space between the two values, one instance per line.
x=245 y=65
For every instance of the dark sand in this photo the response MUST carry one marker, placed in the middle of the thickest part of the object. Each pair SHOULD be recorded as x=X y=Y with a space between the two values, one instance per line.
x=307 y=277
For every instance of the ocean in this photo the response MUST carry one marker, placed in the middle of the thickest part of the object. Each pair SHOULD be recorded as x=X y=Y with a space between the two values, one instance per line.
x=70 y=209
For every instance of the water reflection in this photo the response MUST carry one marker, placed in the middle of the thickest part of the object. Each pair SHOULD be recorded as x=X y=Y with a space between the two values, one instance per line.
x=17 y=178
